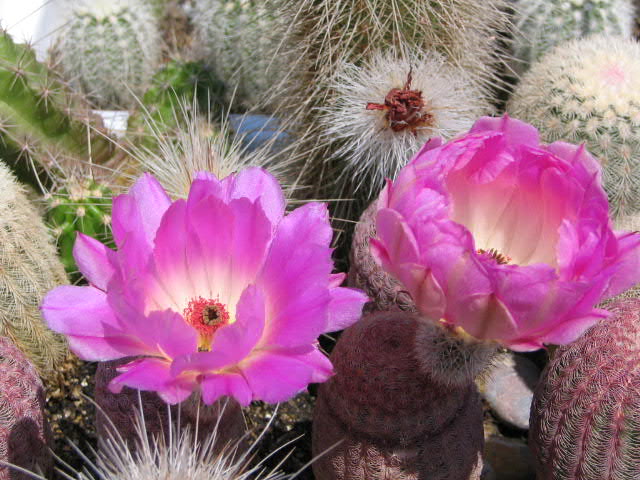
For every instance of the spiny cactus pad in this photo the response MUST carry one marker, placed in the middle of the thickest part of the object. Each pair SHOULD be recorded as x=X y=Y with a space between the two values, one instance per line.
x=29 y=268
x=24 y=432
x=585 y=91
x=585 y=416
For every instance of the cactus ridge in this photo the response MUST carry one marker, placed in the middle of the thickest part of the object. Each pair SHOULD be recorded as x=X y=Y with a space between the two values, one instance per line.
x=110 y=50
x=29 y=268
x=585 y=414
x=584 y=91
x=543 y=24
x=24 y=431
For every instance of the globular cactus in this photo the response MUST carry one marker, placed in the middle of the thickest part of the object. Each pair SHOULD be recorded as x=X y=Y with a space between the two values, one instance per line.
x=585 y=91
x=238 y=40
x=35 y=114
x=386 y=109
x=29 y=268
x=24 y=432
x=385 y=414
x=80 y=206
x=585 y=416
x=117 y=414
x=110 y=50
x=543 y=24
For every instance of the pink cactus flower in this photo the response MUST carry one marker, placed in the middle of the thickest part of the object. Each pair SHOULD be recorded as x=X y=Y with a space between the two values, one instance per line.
x=503 y=237
x=221 y=292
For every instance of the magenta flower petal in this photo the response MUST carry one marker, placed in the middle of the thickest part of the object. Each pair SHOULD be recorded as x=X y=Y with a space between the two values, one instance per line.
x=94 y=260
x=210 y=291
x=229 y=384
x=293 y=371
x=94 y=333
x=153 y=374
x=506 y=238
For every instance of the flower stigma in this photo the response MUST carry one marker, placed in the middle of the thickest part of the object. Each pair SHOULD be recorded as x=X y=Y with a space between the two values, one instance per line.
x=493 y=254
x=206 y=316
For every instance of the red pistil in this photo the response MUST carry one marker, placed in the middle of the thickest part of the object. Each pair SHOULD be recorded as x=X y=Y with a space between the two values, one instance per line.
x=405 y=108
x=206 y=316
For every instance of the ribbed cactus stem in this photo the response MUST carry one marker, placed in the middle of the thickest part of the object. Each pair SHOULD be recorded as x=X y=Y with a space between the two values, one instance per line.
x=29 y=268
x=110 y=49
x=586 y=408
x=386 y=415
x=24 y=432
x=34 y=116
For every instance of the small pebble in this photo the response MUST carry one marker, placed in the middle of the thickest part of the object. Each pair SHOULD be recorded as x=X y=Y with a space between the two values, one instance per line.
x=508 y=389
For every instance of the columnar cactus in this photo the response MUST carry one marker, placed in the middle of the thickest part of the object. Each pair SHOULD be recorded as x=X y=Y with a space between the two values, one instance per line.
x=543 y=24
x=119 y=411
x=585 y=411
x=80 y=206
x=35 y=120
x=110 y=50
x=386 y=109
x=238 y=40
x=29 y=268
x=24 y=432
x=390 y=412
x=585 y=91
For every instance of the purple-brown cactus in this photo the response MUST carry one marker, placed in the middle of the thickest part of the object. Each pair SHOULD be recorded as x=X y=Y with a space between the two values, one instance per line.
x=24 y=432
x=384 y=413
x=119 y=411
x=585 y=416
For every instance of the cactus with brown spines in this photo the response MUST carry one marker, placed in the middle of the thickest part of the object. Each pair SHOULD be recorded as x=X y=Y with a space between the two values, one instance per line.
x=585 y=91
x=24 y=432
x=29 y=268
x=585 y=415
x=119 y=411
x=393 y=409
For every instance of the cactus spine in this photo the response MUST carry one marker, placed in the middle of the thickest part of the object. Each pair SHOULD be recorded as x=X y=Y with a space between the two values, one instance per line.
x=24 y=432
x=543 y=24
x=110 y=50
x=585 y=91
x=29 y=268
x=238 y=40
x=34 y=112
x=586 y=408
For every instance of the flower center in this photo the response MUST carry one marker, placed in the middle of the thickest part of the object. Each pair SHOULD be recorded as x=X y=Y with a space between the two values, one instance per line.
x=206 y=316
x=405 y=108
x=492 y=253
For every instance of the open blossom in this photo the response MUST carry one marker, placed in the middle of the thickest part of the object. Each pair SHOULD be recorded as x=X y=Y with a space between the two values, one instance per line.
x=221 y=291
x=506 y=238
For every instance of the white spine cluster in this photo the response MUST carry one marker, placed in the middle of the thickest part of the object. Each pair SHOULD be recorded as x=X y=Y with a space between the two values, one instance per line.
x=110 y=49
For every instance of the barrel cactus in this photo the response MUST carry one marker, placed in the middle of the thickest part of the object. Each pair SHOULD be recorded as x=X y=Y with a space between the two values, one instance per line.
x=80 y=206
x=238 y=40
x=36 y=124
x=543 y=24
x=388 y=415
x=584 y=416
x=110 y=50
x=29 y=268
x=24 y=432
x=585 y=91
